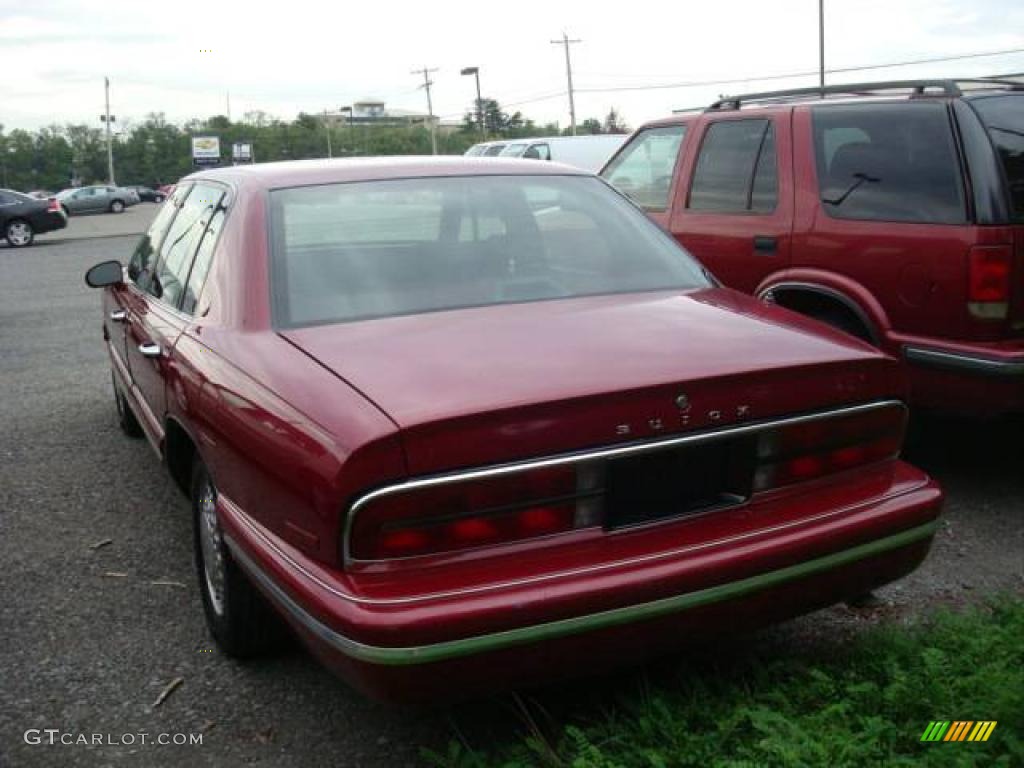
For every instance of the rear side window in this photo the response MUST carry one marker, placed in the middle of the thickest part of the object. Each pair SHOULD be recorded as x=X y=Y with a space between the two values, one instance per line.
x=1003 y=117
x=736 y=169
x=179 y=245
x=643 y=169
x=888 y=162
x=140 y=266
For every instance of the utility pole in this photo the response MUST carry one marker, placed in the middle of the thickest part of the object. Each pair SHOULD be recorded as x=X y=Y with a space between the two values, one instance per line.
x=821 y=46
x=327 y=127
x=108 y=119
x=227 y=95
x=479 y=100
x=427 y=82
x=565 y=41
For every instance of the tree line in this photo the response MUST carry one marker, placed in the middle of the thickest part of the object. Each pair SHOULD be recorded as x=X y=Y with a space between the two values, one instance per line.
x=155 y=151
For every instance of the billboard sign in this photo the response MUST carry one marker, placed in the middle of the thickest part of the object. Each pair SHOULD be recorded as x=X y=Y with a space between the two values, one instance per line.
x=205 y=150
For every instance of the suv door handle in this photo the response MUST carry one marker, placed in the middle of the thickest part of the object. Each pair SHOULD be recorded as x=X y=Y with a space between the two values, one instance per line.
x=149 y=349
x=118 y=315
x=765 y=244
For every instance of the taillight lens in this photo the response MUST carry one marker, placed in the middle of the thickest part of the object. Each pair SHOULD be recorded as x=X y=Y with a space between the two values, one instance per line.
x=807 y=450
x=491 y=510
x=988 y=281
x=54 y=205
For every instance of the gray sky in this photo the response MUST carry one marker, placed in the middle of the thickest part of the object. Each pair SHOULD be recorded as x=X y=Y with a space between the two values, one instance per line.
x=285 y=57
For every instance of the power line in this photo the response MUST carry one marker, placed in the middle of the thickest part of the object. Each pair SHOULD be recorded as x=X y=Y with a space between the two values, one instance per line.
x=566 y=42
x=808 y=73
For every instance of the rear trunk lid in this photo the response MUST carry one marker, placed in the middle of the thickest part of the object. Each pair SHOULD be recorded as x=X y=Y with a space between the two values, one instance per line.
x=473 y=387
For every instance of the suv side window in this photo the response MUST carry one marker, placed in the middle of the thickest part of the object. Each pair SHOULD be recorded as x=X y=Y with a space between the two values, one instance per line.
x=736 y=169
x=888 y=162
x=179 y=245
x=140 y=266
x=643 y=169
x=538 y=152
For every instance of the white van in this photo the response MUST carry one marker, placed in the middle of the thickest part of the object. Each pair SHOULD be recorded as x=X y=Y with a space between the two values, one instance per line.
x=588 y=153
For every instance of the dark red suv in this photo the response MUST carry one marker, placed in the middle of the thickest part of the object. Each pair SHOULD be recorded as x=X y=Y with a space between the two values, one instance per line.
x=894 y=211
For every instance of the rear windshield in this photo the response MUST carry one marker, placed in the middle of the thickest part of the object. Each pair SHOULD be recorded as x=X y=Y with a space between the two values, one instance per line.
x=1003 y=116
x=375 y=249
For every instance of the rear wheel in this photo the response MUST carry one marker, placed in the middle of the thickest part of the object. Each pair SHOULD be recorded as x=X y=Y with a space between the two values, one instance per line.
x=19 y=233
x=125 y=418
x=239 y=617
x=116 y=207
x=158 y=199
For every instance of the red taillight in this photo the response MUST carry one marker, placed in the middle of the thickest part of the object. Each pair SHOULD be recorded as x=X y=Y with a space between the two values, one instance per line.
x=812 y=449
x=54 y=205
x=988 y=281
x=494 y=510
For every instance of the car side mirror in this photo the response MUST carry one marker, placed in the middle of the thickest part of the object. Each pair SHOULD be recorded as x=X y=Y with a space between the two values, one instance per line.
x=105 y=273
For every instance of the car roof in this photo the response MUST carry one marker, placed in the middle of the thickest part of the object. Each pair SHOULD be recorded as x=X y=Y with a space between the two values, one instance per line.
x=296 y=173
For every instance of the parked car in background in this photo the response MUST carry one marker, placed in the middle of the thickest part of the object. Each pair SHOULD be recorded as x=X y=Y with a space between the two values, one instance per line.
x=41 y=194
x=95 y=199
x=467 y=424
x=23 y=217
x=147 y=194
x=893 y=211
x=588 y=153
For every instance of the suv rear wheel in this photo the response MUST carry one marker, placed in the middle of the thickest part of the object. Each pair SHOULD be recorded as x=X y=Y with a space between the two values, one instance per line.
x=116 y=206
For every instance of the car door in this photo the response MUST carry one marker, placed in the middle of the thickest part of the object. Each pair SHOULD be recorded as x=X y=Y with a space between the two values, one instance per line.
x=155 y=320
x=735 y=213
x=645 y=169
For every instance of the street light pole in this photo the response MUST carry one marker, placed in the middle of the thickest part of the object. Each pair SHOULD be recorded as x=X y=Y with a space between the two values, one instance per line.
x=479 y=100
x=108 y=119
x=565 y=41
x=821 y=46
x=327 y=127
x=351 y=128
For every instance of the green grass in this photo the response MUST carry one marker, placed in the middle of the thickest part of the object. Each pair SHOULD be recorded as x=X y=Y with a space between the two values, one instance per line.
x=864 y=705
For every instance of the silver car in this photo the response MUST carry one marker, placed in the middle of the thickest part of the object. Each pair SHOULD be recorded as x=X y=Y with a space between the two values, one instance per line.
x=96 y=199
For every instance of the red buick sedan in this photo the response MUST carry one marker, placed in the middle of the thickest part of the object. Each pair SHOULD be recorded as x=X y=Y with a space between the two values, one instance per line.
x=468 y=423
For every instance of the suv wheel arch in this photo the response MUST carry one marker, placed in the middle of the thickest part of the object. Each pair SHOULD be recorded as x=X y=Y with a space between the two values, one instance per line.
x=825 y=304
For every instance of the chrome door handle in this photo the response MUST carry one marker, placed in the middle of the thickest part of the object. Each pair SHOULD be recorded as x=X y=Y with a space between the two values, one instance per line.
x=118 y=315
x=149 y=349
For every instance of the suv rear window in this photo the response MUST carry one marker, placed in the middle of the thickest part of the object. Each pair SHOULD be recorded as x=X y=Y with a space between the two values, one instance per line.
x=1003 y=116
x=888 y=162
x=643 y=170
x=736 y=168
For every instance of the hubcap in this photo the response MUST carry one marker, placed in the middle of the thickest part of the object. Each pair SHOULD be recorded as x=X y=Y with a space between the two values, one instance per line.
x=212 y=545
x=19 y=233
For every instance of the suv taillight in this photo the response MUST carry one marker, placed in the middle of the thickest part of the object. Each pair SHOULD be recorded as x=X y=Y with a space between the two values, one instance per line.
x=988 y=281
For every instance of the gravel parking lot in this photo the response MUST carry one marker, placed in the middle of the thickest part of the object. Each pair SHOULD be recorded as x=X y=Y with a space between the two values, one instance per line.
x=99 y=610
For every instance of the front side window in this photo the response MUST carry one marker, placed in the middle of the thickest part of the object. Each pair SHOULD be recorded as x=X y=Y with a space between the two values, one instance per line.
x=514 y=150
x=179 y=245
x=736 y=169
x=538 y=152
x=643 y=169
x=140 y=266
x=1003 y=117
x=888 y=162
x=345 y=252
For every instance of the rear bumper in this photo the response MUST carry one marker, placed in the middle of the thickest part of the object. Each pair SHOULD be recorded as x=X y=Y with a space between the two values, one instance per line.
x=464 y=641
x=983 y=378
x=50 y=221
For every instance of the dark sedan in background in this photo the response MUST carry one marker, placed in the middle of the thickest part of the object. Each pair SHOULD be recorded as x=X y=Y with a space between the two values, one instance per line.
x=147 y=194
x=23 y=217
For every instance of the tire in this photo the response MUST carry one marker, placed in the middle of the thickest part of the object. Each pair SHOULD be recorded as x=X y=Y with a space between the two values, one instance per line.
x=116 y=206
x=19 y=233
x=158 y=199
x=238 y=616
x=125 y=417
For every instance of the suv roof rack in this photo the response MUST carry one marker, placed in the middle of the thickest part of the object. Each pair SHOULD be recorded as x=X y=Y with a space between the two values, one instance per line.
x=918 y=87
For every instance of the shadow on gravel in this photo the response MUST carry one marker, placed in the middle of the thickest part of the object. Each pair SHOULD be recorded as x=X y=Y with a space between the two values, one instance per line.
x=960 y=448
